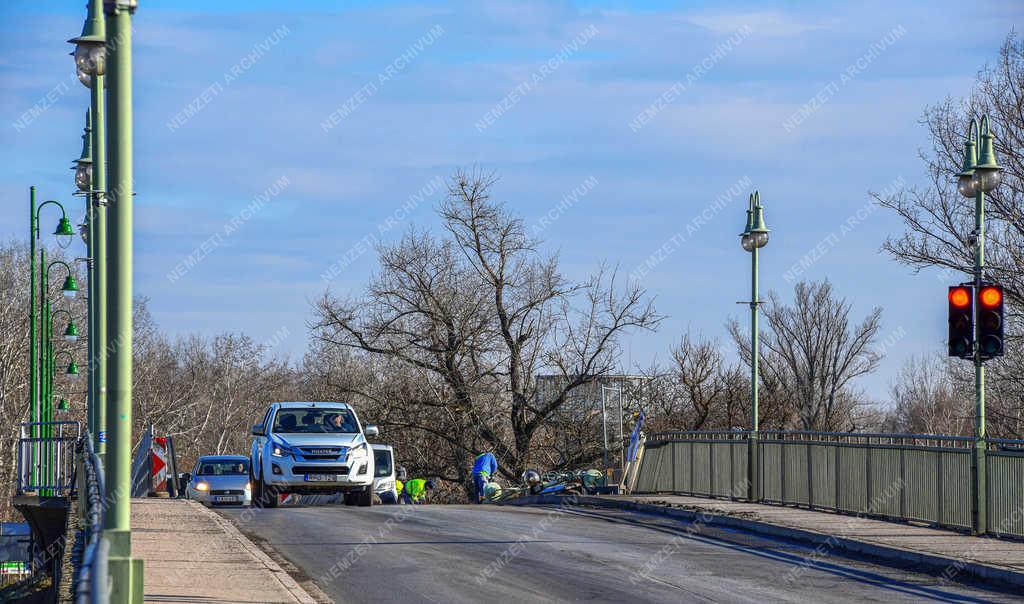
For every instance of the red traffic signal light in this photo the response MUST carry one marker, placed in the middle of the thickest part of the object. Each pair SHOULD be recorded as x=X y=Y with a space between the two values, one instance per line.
x=990 y=321
x=961 y=321
x=990 y=296
x=960 y=297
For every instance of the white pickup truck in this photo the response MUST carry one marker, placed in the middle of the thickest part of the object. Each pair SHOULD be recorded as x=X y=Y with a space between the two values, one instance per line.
x=311 y=448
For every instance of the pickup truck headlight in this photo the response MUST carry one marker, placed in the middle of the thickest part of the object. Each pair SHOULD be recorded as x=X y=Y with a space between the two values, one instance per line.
x=360 y=451
x=280 y=451
x=385 y=485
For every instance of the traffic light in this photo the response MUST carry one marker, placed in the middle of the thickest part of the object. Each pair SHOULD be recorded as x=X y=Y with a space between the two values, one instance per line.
x=961 y=321
x=990 y=321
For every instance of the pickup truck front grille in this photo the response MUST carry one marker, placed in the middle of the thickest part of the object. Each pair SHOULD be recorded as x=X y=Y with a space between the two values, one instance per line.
x=321 y=453
x=319 y=469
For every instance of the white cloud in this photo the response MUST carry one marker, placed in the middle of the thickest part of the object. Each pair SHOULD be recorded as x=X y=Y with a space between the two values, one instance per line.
x=763 y=23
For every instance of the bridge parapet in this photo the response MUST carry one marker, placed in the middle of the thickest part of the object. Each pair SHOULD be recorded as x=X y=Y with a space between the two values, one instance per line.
x=905 y=477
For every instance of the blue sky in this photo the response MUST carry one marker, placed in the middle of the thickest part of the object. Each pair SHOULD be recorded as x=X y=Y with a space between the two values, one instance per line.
x=236 y=148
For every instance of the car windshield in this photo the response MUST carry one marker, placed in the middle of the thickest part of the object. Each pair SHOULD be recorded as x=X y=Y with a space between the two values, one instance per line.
x=382 y=463
x=313 y=420
x=223 y=468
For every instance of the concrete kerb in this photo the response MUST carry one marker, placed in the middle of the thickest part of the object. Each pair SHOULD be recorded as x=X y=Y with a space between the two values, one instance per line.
x=927 y=561
x=300 y=594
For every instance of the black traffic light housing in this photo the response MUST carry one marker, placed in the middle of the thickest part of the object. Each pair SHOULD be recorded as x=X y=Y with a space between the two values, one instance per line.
x=990 y=321
x=961 y=321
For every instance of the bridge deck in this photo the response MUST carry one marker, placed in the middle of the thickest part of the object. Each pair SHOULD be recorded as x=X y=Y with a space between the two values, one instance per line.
x=939 y=543
x=191 y=554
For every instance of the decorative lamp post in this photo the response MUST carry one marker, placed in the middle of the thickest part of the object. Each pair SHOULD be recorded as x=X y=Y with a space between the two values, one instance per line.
x=753 y=238
x=980 y=174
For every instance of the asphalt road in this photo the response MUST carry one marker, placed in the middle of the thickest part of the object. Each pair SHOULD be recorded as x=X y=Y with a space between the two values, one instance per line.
x=438 y=553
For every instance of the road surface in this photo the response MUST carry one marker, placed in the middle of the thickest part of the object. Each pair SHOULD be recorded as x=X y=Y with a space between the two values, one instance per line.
x=439 y=553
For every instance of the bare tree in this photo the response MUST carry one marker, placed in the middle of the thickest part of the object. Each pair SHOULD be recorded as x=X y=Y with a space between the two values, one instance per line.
x=929 y=399
x=939 y=221
x=479 y=314
x=811 y=355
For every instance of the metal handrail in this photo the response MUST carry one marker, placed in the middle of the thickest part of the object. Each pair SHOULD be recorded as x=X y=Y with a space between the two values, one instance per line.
x=55 y=451
x=699 y=434
x=91 y=586
x=880 y=438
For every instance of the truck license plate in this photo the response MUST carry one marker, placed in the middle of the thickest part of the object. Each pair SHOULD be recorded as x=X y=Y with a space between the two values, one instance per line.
x=321 y=477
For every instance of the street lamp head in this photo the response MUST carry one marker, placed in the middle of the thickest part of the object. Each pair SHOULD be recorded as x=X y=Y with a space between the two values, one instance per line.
x=90 y=50
x=758 y=230
x=965 y=184
x=72 y=371
x=83 y=230
x=83 y=176
x=965 y=177
x=747 y=241
x=83 y=165
x=64 y=232
x=70 y=287
x=63 y=406
x=71 y=332
x=987 y=173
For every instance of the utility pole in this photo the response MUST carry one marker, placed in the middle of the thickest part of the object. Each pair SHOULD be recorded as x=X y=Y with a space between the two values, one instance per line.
x=125 y=572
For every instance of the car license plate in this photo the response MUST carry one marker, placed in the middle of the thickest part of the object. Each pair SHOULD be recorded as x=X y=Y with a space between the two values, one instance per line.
x=225 y=499
x=321 y=477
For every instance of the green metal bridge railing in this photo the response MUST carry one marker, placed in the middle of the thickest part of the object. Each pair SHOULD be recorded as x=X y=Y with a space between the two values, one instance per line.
x=903 y=477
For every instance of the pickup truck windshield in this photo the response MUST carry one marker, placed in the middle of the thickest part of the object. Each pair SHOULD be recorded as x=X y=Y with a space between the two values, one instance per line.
x=315 y=421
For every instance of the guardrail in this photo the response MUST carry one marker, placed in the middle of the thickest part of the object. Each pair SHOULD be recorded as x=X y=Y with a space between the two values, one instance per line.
x=907 y=477
x=46 y=458
x=91 y=587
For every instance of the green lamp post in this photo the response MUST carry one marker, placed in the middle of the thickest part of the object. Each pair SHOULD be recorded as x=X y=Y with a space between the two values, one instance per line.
x=980 y=174
x=69 y=288
x=64 y=234
x=753 y=238
x=91 y=65
x=126 y=573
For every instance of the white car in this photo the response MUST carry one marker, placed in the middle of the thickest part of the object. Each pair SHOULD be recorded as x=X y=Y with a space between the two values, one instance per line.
x=311 y=449
x=384 y=473
x=220 y=479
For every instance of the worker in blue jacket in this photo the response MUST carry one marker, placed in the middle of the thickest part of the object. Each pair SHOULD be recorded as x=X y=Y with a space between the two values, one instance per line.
x=484 y=468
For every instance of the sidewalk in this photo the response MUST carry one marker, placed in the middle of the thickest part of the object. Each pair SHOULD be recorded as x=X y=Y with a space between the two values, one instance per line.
x=944 y=552
x=193 y=555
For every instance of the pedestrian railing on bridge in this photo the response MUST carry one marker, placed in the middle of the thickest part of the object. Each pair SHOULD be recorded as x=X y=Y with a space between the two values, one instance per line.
x=906 y=477
x=92 y=586
x=46 y=458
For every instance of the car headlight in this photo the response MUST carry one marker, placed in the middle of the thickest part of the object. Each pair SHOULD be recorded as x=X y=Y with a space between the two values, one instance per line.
x=248 y=486
x=385 y=485
x=202 y=486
